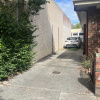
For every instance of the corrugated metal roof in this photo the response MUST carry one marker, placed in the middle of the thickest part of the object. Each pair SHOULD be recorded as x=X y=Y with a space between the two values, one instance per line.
x=83 y=7
x=85 y=4
x=84 y=0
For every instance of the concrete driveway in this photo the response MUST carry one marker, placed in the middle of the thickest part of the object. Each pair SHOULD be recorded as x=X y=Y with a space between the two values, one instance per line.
x=58 y=77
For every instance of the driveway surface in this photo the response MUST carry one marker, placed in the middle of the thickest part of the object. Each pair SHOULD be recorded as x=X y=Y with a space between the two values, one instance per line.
x=58 y=77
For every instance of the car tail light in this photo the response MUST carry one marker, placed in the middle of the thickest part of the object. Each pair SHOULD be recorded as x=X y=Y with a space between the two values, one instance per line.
x=66 y=41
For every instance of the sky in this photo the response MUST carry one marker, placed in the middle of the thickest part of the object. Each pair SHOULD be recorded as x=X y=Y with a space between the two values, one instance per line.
x=68 y=8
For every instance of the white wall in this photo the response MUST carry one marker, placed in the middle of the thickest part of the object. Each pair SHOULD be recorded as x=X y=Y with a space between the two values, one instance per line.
x=50 y=22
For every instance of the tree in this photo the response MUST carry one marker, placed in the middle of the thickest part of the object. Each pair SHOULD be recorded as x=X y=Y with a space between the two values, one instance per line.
x=77 y=26
x=16 y=35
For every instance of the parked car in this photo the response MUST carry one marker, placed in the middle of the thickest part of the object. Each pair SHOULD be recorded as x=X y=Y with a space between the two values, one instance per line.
x=73 y=42
x=81 y=35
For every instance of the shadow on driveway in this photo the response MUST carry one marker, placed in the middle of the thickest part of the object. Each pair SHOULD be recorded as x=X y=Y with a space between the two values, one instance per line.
x=75 y=55
x=86 y=81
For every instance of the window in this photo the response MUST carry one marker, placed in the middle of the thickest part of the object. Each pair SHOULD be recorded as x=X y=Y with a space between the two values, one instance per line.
x=81 y=33
x=74 y=34
x=72 y=38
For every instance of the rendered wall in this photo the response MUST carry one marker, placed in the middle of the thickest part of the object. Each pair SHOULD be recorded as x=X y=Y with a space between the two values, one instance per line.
x=52 y=30
x=66 y=27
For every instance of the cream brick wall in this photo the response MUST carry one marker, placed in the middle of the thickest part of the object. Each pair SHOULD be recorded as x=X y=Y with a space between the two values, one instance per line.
x=50 y=22
x=66 y=27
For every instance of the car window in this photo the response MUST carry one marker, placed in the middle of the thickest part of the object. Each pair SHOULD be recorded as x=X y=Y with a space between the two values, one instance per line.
x=81 y=33
x=72 y=38
x=74 y=34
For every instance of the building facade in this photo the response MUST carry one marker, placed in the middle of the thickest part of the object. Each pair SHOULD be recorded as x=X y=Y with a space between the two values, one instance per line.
x=88 y=12
x=54 y=27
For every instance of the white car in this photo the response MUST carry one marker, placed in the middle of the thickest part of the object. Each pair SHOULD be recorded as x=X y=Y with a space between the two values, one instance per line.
x=81 y=35
x=73 y=42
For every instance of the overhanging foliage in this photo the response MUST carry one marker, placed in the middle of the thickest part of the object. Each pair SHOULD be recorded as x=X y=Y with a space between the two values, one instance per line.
x=16 y=36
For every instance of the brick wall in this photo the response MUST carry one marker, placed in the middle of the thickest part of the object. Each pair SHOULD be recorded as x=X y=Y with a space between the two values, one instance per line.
x=93 y=30
x=53 y=29
x=93 y=47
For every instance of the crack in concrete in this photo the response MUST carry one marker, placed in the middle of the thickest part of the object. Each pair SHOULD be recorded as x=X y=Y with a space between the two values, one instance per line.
x=24 y=87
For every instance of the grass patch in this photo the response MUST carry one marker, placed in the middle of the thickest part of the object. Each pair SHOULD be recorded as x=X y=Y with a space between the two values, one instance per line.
x=86 y=64
x=73 y=49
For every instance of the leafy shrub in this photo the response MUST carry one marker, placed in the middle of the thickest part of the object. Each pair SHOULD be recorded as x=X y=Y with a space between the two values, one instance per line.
x=16 y=43
x=16 y=35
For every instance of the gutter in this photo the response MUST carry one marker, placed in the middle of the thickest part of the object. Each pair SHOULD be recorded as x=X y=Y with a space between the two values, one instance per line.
x=86 y=3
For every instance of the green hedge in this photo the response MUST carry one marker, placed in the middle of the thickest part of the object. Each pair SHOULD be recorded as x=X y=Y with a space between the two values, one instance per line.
x=16 y=43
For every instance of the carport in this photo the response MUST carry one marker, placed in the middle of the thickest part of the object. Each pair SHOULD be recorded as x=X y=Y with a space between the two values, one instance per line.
x=88 y=12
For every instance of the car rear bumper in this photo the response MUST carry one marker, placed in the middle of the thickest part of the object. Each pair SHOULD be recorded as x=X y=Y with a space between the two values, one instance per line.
x=70 y=45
